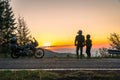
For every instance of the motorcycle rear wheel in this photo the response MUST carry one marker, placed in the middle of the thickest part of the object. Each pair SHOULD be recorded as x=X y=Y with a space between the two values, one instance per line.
x=14 y=55
x=39 y=53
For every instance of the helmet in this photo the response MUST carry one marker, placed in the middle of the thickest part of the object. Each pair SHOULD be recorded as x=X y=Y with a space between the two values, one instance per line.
x=79 y=32
x=88 y=36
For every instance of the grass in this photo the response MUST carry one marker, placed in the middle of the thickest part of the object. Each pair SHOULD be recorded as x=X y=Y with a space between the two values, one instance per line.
x=5 y=55
x=59 y=75
x=27 y=75
x=2 y=55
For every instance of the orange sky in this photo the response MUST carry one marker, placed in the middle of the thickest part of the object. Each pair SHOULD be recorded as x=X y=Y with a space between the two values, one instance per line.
x=56 y=22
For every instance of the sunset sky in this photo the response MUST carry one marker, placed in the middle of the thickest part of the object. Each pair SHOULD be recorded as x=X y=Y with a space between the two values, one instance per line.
x=56 y=22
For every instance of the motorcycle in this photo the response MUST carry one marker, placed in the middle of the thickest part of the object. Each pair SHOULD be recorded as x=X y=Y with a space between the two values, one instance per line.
x=29 y=49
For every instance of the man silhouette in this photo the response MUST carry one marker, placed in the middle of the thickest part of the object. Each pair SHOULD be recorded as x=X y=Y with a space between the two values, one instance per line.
x=79 y=43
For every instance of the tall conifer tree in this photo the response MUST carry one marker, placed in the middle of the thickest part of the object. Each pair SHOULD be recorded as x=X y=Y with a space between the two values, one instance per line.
x=23 y=31
x=1 y=23
x=7 y=23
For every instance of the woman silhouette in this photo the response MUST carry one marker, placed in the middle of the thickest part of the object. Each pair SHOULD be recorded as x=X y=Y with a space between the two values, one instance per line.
x=88 y=45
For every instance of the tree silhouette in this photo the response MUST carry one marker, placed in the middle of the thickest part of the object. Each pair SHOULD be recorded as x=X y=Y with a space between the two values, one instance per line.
x=1 y=23
x=23 y=32
x=7 y=23
x=115 y=40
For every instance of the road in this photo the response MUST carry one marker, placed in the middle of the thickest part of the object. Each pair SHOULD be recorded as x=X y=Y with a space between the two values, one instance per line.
x=48 y=63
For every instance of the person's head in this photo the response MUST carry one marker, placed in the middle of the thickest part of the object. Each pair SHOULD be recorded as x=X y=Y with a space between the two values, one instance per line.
x=79 y=32
x=88 y=36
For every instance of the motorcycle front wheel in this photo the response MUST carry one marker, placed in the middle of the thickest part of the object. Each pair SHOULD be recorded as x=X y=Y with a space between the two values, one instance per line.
x=39 y=53
x=14 y=55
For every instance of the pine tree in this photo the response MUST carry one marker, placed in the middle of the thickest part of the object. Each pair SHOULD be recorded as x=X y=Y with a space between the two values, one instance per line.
x=1 y=15
x=23 y=32
x=7 y=23
x=1 y=23
x=115 y=40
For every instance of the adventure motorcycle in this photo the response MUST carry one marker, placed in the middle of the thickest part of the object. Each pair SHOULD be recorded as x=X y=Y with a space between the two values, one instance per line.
x=29 y=49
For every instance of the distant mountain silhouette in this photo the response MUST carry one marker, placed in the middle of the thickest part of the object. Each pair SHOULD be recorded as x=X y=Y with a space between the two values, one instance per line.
x=49 y=54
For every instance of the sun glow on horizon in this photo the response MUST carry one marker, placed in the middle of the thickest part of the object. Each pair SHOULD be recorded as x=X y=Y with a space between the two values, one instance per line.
x=47 y=44
x=55 y=42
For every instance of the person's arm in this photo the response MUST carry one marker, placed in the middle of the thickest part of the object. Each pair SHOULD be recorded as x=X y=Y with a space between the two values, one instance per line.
x=84 y=42
x=83 y=39
x=75 y=41
x=91 y=42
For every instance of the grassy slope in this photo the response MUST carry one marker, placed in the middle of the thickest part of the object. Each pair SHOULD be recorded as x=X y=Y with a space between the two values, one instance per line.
x=59 y=75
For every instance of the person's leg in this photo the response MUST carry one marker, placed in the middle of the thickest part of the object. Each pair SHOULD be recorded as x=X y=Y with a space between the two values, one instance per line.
x=81 y=51
x=88 y=52
x=77 y=51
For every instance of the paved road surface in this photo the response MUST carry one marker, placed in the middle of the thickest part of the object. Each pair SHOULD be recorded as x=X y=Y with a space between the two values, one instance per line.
x=59 y=63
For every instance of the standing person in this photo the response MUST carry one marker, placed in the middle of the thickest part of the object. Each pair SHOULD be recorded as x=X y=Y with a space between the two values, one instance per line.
x=88 y=45
x=79 y=43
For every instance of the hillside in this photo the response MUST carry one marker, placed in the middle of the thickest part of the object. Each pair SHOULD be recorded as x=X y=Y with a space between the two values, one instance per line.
x=49 y=53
